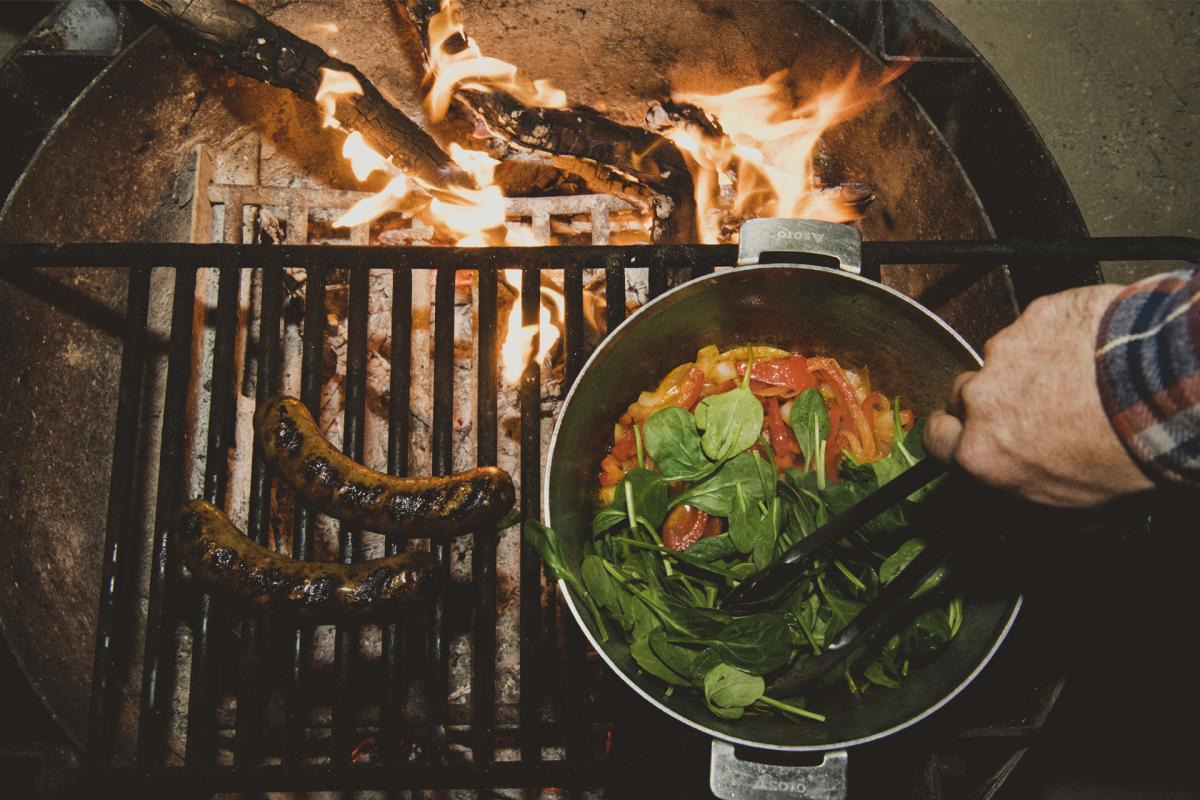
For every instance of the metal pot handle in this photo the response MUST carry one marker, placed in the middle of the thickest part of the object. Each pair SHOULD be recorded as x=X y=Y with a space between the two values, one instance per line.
x=839 y=242
x=730 y=778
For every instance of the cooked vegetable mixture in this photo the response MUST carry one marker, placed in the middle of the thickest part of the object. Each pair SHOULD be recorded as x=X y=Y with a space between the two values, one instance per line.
x=730 y=461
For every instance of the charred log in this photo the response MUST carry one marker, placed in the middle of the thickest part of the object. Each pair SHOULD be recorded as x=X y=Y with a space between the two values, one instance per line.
x=253 y=46
x=630 y=162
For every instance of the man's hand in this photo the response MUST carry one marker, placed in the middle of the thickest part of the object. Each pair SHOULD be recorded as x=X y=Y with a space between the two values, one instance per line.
x=1031 y=420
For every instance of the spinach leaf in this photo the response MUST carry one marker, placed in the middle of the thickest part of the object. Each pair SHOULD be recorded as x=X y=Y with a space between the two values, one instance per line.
x=648 y=660
x=841 y=611
x=599 y=583
x=728 y=691
x=877 y=675
x=758 y=643
x=549 y=547
x=810 y=423
x=711 y=548
x=900 y=559
x=680 y=660
x=715 y=494
x=673 y=441
x=649 y=497
x=731 y=422
x=927 y=633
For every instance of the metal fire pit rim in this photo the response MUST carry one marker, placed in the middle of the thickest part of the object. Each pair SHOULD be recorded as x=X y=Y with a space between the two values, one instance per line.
x=577 y=613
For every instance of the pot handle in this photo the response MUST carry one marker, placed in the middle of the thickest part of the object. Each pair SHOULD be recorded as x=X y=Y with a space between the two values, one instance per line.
x=731 y=778
x=839 y=242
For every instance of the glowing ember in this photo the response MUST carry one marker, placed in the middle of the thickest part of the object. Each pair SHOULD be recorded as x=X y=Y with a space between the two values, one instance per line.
x=762 y=165
x=469 y=68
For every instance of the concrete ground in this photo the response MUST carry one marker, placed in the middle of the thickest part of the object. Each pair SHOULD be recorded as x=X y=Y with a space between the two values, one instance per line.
x=1114 y=88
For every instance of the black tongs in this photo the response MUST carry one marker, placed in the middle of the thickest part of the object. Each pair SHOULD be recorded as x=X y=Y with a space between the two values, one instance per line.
x=763 y=591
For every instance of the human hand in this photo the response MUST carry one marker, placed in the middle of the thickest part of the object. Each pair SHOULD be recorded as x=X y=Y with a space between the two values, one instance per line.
x=1031 y=420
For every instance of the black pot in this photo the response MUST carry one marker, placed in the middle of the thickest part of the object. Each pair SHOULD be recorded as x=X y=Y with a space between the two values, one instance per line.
x=811 y=309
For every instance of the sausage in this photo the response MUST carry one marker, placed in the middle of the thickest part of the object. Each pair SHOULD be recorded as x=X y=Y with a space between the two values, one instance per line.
x=336 y=485
x=233 y=564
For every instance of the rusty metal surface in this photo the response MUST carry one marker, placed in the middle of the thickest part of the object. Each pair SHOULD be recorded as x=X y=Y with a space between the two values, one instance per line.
x=121 y=164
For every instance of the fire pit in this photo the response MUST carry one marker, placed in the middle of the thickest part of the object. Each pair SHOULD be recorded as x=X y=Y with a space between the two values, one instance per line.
x=416 y=360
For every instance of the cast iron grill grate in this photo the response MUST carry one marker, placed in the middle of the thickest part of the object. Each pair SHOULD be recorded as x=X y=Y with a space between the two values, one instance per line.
x=598 y=737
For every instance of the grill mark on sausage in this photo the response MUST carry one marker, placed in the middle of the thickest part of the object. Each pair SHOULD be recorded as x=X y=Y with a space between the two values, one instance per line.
x=334 y=484
x=227 y=561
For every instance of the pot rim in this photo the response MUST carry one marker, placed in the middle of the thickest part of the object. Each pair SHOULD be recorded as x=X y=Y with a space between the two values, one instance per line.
x=953 y=692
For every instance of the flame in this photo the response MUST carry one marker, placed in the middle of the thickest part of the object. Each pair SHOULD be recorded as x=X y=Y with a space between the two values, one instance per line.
x=470 y=69
x=518 y=339
x=762 y=165
x=371 y=207
x=334 y=83
x=363 y=160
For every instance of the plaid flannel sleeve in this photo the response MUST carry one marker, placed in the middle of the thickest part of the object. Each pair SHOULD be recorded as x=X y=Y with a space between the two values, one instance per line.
x=1148 y=370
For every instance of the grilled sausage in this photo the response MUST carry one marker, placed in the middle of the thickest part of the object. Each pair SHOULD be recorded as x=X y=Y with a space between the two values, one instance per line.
x=340 y=487
x=231 y=563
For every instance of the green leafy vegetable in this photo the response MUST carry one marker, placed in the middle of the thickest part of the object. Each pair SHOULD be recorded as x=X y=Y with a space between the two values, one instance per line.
x=728 y=691
x=730 y=421
x=716 y=493
x=673 y=441
x=810 y=423
x=649 y=491
x=549 y=547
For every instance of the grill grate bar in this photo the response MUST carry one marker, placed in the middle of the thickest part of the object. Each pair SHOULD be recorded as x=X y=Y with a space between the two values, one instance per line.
x=443 y=431
x=531 y=564
x=399 y=388
x=614 y=297
x=202 y=693
x=310 y=395
x=158 y=662
x=256 y=627
x=116 y=570
x=483 y=556
x=349 y=539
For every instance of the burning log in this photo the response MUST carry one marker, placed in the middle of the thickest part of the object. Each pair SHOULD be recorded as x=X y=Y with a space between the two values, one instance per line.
x=255 y=47
x=630 y=162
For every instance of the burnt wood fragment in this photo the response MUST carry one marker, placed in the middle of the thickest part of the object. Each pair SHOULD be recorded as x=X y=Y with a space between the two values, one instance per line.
x=631 y=162
x=253 y=46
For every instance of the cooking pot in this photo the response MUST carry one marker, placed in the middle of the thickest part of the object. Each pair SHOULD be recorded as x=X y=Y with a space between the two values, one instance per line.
x=815 y=310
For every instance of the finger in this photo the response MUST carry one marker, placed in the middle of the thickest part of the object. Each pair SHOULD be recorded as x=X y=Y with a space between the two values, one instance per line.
x=954 y=404
x=942 y=432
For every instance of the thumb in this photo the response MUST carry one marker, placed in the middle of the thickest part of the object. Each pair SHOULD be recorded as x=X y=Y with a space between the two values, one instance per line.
x=941 y=435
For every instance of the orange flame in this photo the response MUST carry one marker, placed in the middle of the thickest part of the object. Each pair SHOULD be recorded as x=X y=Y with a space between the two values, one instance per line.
x=469 y=68
x=518 y=339
x=334 y=83
x=763 y=164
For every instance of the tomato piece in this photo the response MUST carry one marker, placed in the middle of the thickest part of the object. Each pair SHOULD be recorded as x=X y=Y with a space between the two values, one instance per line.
x=836 y=378
x=783 y=441
x=719 y=388
x=691 y=390
x=789 y=373
x=626 y=446
x=832 y=453
x=683 y=527
x=610 y=471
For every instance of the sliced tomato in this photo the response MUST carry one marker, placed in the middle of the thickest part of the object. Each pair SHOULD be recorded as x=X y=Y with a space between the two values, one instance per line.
x=783 y=441
x=610 y=471
x=683 y=527
x=833 y=453
x=790 y=374
x=691 y=391
x=626 y=446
